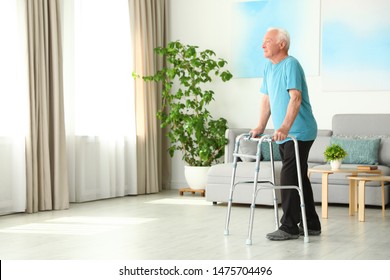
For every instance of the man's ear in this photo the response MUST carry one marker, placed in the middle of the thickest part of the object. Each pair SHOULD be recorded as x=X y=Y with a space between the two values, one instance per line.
x=282 y=44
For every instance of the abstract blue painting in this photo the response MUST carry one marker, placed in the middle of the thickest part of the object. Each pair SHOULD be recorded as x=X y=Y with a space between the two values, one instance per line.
x=251 y=19
x=355 y=45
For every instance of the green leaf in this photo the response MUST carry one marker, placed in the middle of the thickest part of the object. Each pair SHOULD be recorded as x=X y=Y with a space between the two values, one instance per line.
x=221 y=63
x=135 y=75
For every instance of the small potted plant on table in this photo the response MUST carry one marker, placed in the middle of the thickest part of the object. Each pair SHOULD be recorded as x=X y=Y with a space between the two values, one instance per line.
x=334 y=154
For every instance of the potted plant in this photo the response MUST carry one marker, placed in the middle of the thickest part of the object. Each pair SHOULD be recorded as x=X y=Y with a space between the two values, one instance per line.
x=192 y=130
x=334 y=154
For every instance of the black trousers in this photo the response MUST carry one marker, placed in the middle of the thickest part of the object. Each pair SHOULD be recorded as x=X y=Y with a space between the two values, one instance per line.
x=290 y=198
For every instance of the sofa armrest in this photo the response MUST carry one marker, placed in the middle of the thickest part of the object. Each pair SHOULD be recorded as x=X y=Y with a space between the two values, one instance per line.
x=231 y=134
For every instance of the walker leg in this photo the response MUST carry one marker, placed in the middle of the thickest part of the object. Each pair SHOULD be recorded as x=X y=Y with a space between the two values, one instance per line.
x=276 y=210
x=304 y=221
x=251 y=217
x=226 y=231
x=253 y=205
x=230 y=202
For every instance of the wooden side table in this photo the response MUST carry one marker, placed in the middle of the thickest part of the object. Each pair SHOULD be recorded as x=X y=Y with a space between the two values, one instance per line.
x=360 y=181
x=326 y=171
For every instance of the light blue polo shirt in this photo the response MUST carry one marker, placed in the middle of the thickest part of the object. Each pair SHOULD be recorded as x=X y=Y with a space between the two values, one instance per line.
x=278 y=79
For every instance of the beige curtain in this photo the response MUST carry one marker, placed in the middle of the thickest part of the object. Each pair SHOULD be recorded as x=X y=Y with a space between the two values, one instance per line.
x=47 y=181
x=149 y=30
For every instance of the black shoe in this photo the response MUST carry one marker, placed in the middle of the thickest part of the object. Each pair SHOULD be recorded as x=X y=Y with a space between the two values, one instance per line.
x=280 y=235
x=312 y=232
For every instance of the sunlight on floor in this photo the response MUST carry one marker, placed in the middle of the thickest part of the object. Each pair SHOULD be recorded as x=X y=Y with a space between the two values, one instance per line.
x=181 y=201
x=102 y=220
x=76 y=225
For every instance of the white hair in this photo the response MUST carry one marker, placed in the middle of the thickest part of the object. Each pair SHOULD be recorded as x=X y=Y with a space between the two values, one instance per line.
x=283 y=35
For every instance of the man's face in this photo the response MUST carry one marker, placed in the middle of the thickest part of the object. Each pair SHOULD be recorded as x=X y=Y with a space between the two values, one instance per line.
x=271 y=46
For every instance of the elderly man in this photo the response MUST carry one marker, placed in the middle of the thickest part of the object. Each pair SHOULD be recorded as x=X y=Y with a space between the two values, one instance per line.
x=285 y=98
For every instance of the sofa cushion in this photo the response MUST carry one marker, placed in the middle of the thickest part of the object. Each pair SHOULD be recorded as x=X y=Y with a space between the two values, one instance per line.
x=384 y=150
x=317 y=150
x=248 y=148
x=359 y=151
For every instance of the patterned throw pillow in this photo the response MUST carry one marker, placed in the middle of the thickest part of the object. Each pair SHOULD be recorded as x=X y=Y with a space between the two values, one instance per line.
x=360 y=151
x=265 y=152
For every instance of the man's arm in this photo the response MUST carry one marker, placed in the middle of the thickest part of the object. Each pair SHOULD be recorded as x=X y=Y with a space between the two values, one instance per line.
x=291 y=114
x=265 y=113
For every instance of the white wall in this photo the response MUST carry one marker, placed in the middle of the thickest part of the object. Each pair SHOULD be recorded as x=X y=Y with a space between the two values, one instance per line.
x=207 y=24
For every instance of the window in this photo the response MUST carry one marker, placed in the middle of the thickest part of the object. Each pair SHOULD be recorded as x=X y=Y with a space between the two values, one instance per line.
x=99 y=100
x=13 y=107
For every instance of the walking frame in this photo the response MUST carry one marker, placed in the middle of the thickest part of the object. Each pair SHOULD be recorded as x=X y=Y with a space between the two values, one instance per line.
x=268 y=184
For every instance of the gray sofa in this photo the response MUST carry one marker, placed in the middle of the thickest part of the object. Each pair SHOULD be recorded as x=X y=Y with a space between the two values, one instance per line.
x=365 y=136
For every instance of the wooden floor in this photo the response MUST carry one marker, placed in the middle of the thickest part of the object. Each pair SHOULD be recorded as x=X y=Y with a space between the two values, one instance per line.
x=168 y=226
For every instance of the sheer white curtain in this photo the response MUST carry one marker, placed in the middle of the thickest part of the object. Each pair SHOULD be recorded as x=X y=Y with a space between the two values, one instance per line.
x=13 y=106
x=99 y=102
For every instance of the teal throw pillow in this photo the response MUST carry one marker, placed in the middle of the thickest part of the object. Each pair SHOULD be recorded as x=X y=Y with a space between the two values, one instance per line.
x=360 y=151
x=265 y=153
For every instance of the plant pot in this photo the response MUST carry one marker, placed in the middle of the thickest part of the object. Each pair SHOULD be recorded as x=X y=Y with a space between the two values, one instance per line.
x=196 y=176
x=335 y=164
